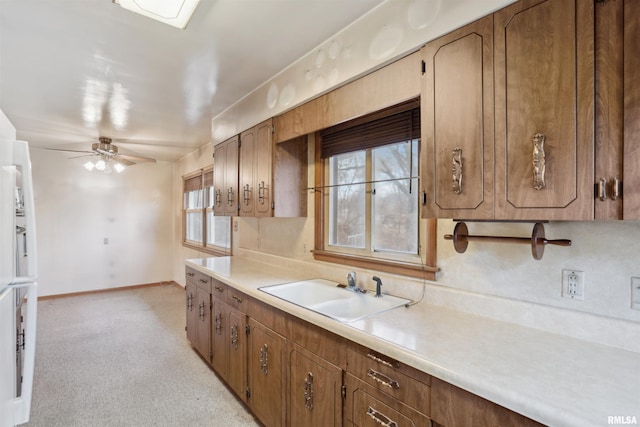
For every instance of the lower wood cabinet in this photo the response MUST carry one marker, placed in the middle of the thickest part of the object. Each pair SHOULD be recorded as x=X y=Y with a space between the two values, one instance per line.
x=266 y=374
x=314 y=392
x=198 y=312
x=453 y=407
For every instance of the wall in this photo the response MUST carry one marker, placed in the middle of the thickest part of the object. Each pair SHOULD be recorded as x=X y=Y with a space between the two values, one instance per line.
x=76 y=210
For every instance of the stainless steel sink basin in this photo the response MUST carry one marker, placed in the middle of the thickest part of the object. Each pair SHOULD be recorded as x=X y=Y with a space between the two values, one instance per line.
x=334 y=300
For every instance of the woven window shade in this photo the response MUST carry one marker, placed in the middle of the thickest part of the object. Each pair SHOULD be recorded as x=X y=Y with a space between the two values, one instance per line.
x=208 y=179
x=192 y=184
x=395 y=124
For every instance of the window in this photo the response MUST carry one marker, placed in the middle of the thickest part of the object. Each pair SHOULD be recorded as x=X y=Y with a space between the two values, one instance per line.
x=202 y=230
x=368 y=213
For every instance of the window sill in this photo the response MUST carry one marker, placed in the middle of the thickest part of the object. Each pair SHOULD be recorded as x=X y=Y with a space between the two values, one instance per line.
x=211 y=250
x=389 y=266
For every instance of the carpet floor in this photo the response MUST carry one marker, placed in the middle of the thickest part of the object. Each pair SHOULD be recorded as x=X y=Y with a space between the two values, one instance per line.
x=121 y=358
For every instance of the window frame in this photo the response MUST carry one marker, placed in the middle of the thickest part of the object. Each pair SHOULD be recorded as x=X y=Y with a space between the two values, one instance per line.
x=205 y=209
x=421 y=266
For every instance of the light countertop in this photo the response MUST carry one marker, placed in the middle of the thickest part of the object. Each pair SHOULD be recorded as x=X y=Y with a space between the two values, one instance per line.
x=553 y=379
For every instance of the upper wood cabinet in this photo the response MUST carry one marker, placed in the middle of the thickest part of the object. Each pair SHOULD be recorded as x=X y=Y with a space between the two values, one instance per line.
x=544 y=85
x=225 y=177
x=457 y=116
x=617 y=110
x=256 y=160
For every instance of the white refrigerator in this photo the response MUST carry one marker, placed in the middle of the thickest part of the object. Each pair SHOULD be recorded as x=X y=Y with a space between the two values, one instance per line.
x=18 y=272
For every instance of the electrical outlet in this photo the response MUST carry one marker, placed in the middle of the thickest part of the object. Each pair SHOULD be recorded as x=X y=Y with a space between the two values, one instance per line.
x=635 y=293
x=573 y=284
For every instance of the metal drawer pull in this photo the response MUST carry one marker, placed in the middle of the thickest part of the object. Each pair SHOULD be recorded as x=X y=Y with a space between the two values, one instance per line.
x=219 y=289
x=190 y=274
x=538 y=161
x=456 y=170
x=204 y=281
x=381 y=418
x=393 y=364
x=236 y=299
x=383 y=379
x=264 y=359
x=308 y=391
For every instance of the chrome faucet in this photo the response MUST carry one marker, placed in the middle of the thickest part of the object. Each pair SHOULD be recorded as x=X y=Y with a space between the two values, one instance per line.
x=378 y=286
x=351 y=279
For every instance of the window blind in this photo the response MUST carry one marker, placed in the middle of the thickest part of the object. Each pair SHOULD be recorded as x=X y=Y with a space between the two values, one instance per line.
x=192 y=184
x=394 y=124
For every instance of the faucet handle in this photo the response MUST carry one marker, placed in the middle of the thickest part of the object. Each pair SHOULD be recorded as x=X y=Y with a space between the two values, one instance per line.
x=351 y=279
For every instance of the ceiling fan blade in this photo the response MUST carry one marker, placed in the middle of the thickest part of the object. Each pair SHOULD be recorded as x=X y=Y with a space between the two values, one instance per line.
x=136 y=159
x=84 y=155
x=68 y=151
x=124 y=161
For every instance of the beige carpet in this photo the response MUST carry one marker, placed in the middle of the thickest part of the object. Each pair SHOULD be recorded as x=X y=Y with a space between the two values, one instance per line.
x=121 y=358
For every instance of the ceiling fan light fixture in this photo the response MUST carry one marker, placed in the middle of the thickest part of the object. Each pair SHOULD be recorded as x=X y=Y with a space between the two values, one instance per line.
x=119 y=167
x=89 y=166
x=101 y=165
x=172 y=12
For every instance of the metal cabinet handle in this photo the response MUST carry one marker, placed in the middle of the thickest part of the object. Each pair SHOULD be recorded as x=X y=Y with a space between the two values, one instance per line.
x=602 y=189
x=218 y=198
x=190 y=302
x=538 y=161
x=616 y=192
x=456 y=170
x=392 y=364
x=381 y=418
x=202 y=313
x=219 y=323
x=230 y=196
x=383 y=379
x=234 y=336
x=308 y=391
x=264 y=359
x=237 y=299
x=246 y=194
x=261 y=188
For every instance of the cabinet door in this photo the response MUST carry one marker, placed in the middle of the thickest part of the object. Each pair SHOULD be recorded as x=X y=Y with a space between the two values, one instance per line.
x=203 y=340
x=247 y=172
x=191 y=306
x=237 y=357
x=230 y=193
x=263 y=166
x=457 y=114
x=220 y=337
x=314 y=391
x=631 y=201
x=544 y=110
x=267 y=368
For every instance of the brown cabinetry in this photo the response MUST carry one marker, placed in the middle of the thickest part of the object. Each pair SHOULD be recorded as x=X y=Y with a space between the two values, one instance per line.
x=617 y=110
x=256 y=160
x=266 y=374
x=457 y=108
x=225 y=177
x=380 y=390
x=453 y=407
x=544 y=85
x=198 y=309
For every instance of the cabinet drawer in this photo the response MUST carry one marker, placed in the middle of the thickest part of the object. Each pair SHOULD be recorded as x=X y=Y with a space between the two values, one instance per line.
x=219 y=290
x=389 y=376
x=237 y=300
x=199 y=279
x=367 y=407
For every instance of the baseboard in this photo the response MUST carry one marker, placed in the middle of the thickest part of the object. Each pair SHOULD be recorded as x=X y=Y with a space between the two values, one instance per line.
x=122 y=288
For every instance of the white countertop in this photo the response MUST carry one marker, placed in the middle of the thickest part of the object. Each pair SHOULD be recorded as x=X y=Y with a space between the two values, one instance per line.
x=553 y=379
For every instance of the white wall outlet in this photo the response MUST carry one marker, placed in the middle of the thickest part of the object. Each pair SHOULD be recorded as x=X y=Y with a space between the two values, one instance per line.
x=635 y=293
x=573 y=284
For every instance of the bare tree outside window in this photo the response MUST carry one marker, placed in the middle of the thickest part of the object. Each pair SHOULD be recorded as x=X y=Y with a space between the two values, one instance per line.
x=347 y=201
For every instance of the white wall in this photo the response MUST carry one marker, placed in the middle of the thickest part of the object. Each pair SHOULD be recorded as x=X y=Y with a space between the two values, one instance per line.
x=76 y=210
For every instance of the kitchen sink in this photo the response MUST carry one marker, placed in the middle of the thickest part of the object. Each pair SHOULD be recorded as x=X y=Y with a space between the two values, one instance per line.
x=333 y=299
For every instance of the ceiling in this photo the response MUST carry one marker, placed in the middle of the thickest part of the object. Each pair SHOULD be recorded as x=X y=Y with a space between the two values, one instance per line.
x=74 y=70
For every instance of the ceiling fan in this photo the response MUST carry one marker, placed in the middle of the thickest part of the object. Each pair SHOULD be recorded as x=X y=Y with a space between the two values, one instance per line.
x=109 y=158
